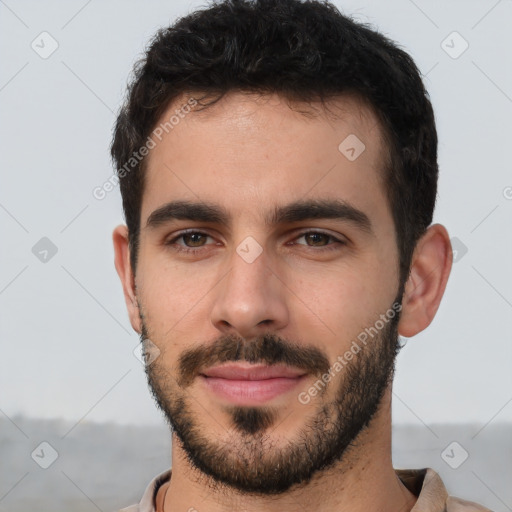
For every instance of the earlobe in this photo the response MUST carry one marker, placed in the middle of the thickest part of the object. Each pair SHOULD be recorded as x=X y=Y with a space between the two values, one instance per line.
x=124 y=270
x=424 y=289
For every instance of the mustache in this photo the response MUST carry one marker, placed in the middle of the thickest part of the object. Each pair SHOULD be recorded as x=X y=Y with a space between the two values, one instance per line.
x=267 y=348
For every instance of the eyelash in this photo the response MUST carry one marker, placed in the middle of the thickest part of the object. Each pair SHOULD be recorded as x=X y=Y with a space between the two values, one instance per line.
x=190 y=250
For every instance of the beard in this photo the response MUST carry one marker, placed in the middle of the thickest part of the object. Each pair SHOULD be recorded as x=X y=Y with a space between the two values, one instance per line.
x=250 y=460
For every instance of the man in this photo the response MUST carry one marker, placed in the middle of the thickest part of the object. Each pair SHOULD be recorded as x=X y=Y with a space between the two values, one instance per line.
x=278 y=168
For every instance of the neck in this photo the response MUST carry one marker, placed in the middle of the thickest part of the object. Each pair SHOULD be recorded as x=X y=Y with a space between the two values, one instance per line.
x=363 y=480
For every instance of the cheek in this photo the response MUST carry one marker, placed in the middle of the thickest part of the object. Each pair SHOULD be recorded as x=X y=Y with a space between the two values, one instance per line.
x=170 y=288
x=177 y=302
x=336 y=306
x=332 y=304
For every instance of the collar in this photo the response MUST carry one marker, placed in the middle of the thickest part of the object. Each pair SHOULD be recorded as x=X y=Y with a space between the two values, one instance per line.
x=424 y=483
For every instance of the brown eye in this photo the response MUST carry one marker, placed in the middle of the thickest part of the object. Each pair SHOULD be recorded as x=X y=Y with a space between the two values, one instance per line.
x=321 y=240
x=189 y=242
x=316 y=239
x=194 y=239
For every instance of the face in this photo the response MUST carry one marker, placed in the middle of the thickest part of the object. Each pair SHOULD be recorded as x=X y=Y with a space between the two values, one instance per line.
x=267 y=281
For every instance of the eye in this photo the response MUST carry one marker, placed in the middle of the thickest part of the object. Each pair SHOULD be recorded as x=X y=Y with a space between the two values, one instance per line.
x=319 y=239
x=196 y=239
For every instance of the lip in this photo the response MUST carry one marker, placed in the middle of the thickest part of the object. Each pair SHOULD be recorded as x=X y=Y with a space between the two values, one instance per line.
x=252 y=372
x=249 y=384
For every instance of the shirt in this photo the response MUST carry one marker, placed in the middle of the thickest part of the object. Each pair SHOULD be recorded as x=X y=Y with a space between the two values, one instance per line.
x=425 y=483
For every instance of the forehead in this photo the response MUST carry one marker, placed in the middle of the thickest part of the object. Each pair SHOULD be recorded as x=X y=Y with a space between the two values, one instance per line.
x=249 y=152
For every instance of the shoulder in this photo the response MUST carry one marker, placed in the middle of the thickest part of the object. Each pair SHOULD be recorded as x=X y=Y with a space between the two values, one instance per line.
x=454 y=504
x=431 y=492
x=148 y=501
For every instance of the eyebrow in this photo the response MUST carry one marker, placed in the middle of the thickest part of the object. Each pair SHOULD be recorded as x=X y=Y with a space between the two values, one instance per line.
x=294 y=212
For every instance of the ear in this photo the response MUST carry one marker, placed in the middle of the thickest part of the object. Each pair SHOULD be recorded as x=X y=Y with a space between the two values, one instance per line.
x=430 y=268
x=124 y=270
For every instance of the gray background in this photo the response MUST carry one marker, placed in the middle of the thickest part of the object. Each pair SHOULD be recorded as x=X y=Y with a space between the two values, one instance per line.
x=67 y=345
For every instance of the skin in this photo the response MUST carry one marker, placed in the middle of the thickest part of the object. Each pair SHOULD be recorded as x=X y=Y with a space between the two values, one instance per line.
x=250 y=154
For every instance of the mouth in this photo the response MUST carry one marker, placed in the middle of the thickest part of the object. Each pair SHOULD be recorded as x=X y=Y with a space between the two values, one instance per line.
x=249 y=384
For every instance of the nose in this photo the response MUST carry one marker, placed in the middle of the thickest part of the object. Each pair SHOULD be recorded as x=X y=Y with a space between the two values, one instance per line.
x=251 y=298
